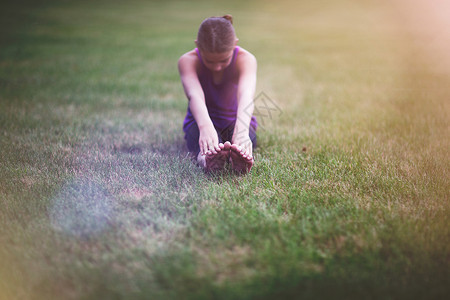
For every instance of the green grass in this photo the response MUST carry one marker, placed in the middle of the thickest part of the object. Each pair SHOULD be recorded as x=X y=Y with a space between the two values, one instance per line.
x=99 y=200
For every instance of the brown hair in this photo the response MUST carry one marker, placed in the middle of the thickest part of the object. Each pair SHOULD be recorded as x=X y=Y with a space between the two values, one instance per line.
x=216 y=34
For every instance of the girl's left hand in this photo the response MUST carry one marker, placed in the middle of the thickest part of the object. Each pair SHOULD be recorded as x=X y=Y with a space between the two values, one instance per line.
x=245 y=144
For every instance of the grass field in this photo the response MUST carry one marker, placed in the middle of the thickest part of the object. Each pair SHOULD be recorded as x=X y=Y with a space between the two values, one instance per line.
x=349 y=196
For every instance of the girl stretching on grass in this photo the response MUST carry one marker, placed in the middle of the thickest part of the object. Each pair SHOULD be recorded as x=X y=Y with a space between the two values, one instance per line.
x=219 y=80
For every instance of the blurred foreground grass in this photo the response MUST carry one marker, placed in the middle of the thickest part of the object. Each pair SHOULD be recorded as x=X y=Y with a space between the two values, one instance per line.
x=348 y=198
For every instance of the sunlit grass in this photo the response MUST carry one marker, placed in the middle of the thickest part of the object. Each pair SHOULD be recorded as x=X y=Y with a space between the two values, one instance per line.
x=99 y=199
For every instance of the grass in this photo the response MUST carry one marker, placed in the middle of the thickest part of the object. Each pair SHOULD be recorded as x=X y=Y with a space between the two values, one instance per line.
x=348 y=197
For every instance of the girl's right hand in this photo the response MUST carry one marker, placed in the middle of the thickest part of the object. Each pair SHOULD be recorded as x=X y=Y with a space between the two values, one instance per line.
x=209 y=140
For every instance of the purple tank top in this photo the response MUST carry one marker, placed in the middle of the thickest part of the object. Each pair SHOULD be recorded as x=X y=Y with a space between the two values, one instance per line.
x=221 y=99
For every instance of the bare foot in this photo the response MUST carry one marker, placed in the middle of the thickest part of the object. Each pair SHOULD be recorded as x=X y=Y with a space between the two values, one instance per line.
x=215 y=161
x=240 y=161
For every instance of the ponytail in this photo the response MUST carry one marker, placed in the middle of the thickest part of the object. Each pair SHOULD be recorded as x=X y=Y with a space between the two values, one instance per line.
x=229 y=18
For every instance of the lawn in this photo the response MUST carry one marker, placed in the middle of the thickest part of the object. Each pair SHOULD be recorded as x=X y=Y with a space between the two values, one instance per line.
x=349 y=195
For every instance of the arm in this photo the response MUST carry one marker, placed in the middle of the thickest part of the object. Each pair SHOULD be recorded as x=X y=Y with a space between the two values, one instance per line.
x=247 y=66
x=208 y=141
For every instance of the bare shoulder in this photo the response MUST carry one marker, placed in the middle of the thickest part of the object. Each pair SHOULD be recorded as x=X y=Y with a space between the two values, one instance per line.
x=245 y=59
x=189 y=60
x=245 y=56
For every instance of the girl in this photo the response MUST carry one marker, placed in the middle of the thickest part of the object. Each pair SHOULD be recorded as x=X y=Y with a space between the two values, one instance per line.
x=219 y=80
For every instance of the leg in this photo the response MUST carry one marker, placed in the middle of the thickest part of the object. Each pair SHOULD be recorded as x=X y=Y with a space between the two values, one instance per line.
x=192 y=136
x=227 y=134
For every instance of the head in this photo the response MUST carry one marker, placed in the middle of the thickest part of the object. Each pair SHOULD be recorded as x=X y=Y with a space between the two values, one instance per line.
x=216 y=40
